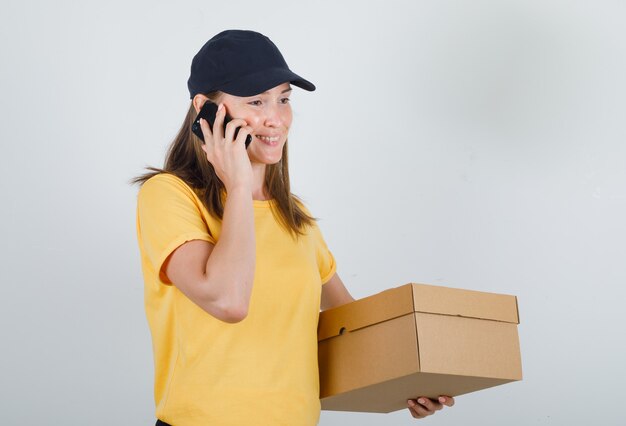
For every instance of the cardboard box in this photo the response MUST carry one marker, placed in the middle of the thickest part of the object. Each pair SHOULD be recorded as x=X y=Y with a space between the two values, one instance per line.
x=416 y=340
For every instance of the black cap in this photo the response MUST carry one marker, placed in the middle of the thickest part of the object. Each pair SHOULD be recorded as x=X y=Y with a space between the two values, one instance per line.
x=240 y=63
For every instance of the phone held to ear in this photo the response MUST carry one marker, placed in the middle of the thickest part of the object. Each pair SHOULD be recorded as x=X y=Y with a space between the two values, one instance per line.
x=208 y=111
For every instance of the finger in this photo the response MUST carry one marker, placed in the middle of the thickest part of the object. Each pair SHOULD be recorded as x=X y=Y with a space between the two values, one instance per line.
x=208 y=146
x=448 y=401
x=232 y=126
x=418 y=410
x=243 y=134
x=206 y=130
x=429 y=404
x=219 y=121
x=414 y=413
x=208 y=152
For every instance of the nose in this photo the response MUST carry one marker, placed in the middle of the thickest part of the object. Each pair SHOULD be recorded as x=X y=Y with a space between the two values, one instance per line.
x=273 y=116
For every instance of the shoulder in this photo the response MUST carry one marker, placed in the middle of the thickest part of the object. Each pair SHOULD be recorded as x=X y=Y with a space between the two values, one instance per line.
x=162 y=184
x=312 y=229
x=164 y=180
x=167 y=191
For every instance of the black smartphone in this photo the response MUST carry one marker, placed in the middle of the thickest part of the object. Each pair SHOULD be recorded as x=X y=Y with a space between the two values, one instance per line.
x=208 y=111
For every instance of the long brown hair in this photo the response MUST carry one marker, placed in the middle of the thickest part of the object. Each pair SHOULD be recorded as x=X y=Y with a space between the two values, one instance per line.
x=186 y=160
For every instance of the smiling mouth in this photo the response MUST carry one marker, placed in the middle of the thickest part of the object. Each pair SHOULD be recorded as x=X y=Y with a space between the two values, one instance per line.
x=268 y=138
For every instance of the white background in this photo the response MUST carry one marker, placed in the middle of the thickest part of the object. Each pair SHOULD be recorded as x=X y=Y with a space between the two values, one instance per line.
x=476 y=145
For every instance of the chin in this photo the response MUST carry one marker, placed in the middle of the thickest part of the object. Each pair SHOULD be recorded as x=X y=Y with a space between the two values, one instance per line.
x=264 y=157
x=269 y=161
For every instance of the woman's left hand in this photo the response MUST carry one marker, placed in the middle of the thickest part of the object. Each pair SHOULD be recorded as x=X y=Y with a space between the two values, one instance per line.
x=424 y=407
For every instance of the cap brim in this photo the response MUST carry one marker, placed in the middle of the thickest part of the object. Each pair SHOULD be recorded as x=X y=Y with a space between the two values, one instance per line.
x=256 y=83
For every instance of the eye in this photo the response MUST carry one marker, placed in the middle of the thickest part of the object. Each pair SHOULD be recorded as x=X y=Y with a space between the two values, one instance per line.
x=254 y=103
x=285 y=100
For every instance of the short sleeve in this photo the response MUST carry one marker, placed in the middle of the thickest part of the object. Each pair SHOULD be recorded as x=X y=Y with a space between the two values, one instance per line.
x=168 y=215
x=325 y=259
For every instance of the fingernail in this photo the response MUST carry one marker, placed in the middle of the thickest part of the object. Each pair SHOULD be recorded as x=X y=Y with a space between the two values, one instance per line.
x=442 y=399
x=411 y=403
x=421 y=401
x=221 y=107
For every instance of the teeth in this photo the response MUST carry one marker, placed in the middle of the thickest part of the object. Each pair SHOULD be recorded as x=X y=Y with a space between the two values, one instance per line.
x=268 y=138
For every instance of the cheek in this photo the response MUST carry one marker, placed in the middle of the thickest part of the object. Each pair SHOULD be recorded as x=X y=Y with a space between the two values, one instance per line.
x=287 y=117
x=253 y=121
x=236 y=110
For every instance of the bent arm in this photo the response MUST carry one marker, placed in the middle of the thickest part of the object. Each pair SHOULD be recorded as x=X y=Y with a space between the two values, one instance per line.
x=218 y=278
x=334 y=293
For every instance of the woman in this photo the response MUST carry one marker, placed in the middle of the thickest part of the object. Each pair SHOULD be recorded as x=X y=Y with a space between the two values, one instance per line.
x=235 y=267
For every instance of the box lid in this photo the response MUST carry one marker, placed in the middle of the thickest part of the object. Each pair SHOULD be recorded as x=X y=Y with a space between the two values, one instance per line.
x=410 y=298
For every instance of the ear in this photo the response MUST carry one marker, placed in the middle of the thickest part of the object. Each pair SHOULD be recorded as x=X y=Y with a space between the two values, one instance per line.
x=198 y=101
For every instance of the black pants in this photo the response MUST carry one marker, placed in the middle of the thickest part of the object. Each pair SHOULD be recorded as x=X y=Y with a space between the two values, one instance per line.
x=160 y=423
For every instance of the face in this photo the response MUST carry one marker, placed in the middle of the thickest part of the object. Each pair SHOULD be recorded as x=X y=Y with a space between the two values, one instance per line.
x=269 y=114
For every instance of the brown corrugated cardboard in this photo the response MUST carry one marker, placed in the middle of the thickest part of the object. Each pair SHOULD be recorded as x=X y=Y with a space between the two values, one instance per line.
x=416 y=340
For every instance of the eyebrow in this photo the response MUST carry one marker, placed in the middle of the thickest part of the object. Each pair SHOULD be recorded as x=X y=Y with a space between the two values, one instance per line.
x=284 y=91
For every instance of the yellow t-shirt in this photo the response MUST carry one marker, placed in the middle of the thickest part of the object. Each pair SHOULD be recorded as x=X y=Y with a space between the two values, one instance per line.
x=260 y=371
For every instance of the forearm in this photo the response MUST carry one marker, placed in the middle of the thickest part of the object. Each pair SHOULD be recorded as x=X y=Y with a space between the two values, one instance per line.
x=230 y=267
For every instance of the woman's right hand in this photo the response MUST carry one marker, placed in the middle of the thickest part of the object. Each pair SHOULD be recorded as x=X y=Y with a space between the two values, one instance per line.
x=228 y=157
x=219 y=277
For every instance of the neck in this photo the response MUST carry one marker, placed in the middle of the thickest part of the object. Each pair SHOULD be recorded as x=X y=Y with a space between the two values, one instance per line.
x=259 y=191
